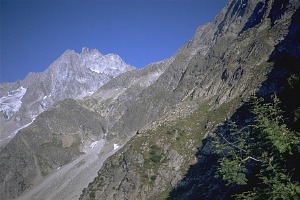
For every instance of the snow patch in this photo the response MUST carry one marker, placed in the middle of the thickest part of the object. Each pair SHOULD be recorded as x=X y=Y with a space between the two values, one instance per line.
x=81 y=80
x=11 y=103
x=93 y=144
x=33 y=117
x=96 y=70
x=116 y=146
x=48 y=96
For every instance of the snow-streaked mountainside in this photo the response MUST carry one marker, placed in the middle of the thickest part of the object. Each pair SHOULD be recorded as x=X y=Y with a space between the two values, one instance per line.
x=72 y=75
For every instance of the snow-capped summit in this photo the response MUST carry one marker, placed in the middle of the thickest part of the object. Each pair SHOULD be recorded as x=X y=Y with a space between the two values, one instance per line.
x=72 y=75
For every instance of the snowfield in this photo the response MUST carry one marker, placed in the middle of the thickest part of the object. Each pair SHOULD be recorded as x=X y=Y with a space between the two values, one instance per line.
x=93 y=144
x=116 y=146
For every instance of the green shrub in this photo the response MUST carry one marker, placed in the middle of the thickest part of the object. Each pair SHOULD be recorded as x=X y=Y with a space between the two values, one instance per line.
x=153 y=178
x=92 y=195
x=155 y=153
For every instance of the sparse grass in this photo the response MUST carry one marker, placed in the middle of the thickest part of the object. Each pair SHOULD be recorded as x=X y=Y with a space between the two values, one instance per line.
x=77 y=141
x=184 y=136
x=155 y=153
x=92 y=195
x=55 y=142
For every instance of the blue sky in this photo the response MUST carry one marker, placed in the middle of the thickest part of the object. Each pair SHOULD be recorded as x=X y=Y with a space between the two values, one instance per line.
x=36 y=32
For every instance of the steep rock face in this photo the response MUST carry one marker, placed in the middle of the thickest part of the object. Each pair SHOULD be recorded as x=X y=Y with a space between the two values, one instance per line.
x=235 y=52
x=72 y=75
x=217 y=62
x=224 y=63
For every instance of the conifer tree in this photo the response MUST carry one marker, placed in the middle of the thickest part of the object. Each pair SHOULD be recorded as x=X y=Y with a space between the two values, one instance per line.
x=263 y=147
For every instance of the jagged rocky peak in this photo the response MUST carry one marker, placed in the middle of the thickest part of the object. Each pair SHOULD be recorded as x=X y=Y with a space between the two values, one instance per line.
x=92 y=59
x=72 y=75
x=110 y=64
x=85 y=51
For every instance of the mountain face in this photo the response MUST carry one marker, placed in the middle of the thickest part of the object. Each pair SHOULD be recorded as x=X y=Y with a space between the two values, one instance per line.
x=72 y=75
x=147 y=130
x=245 y=51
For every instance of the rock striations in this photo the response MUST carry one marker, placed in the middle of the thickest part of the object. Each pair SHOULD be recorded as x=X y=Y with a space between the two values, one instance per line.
x=152 y=122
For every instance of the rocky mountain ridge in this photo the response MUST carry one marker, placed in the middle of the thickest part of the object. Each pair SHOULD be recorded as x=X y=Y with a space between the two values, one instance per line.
x=72 y=75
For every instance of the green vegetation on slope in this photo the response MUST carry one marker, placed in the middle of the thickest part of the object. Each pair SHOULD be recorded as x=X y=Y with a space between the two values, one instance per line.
x=156 y=159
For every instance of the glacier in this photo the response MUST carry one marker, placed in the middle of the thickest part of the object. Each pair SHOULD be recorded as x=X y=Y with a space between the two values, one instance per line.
x=11 y=103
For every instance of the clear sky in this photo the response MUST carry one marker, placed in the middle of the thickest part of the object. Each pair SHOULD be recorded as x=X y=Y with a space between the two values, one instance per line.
x=36 y=32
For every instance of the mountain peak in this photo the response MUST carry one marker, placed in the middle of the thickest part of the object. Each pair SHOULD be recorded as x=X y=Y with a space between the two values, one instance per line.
x=72 y=75
x=86 y=50
x=69 y=52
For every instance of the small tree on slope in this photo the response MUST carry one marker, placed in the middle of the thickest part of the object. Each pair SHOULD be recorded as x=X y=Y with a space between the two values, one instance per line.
x=264 y=148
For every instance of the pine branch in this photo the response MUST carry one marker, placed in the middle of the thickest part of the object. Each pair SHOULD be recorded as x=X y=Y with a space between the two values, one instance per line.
x=233 y=144
x=250 y=157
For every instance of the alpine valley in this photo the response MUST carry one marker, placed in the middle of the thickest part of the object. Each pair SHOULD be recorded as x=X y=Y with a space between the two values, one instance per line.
x=93 y=127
